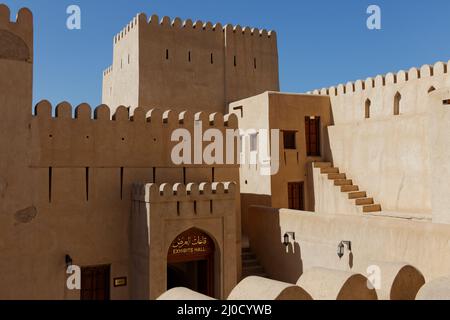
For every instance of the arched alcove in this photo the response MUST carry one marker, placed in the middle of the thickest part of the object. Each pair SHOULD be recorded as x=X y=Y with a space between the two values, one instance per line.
x=191 y=262
x=367 y=108
x=397 y=101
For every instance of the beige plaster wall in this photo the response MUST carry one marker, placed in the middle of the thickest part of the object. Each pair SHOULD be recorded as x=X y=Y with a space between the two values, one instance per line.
x=282 y=111
x=439 y=136
x=348 y=100
x=287 y=113
x=124 y=71
x=253 y=115
x=422 y=245
x=396 y=147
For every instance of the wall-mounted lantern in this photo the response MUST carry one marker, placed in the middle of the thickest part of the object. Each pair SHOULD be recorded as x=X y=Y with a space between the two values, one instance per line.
x=286 y=241
x=341 y=248
x=69 y=261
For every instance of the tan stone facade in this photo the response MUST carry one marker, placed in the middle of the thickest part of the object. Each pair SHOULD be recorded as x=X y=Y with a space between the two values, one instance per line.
x=66 y=185
x=161 y=213
x=362 y=170
x=287 y=113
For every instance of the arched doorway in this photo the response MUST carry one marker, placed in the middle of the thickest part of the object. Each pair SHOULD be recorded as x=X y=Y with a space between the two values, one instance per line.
x=190 y=262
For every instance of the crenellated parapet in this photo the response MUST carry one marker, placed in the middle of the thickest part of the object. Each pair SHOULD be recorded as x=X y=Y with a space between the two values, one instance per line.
x=178 y=200
x=131 y=26
x=16 y=37
x=108 y=71
x=382 y=98
x=381 y=81
x=166 y=192
x=175 y=24
x=86 y=137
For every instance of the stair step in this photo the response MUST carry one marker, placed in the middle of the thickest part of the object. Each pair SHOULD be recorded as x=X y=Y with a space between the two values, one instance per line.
x=357 y=195
x=364 y=201
x=349 y=188
x=246 y=250
x=250 y=263
x=253 y=269
x=337 y=176
x=343 y=182
x=322 y=164
x=248 y=256
x=247 y=274
x=372 y=208
x=329 y=170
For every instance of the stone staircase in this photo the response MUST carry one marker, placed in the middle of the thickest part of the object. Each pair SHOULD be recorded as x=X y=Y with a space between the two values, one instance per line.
x=358 y=197
x=251 y=265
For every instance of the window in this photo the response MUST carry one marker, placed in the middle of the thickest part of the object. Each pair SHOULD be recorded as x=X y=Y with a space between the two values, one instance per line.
x=212 y=58
x=397 y=99
x=235 y=61
x=296 y=196
x=367 y=109
x=253 y=142
x=167 y=54
x=312 y=131
x=189 y=56
x=254 y=63
x=290 y=140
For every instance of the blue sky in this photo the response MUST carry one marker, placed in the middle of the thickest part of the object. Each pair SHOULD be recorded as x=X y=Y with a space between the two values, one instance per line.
x=321 y=43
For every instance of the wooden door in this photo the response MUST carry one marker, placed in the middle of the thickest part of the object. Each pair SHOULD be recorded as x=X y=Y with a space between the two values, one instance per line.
x=312 y=132
x=296 y=196
x=95 y=283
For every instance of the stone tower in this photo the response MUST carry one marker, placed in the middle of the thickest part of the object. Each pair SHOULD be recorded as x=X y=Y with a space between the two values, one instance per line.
x=16 y=80
x=189 y=66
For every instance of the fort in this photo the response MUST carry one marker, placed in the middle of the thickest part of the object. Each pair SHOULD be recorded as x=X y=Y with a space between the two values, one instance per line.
x=364 y=163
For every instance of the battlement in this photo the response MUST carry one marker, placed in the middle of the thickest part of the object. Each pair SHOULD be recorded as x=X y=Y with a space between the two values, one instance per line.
x=127 y=29
x=83 y=137
x=380 y=81
x=156 y=117
x=108 y=71
x=21 y=27
x=177 y=23
x=166 y=192
x=182 y=201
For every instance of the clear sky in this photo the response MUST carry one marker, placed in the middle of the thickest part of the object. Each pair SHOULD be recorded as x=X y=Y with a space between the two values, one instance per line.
x=321 y=43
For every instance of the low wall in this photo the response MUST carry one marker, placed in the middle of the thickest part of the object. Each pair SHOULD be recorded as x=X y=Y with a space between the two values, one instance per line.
x=420 y=244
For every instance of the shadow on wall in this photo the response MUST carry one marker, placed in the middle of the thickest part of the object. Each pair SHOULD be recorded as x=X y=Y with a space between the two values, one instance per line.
x=327 y=156
x=139 y=245
x=248 y=200
x=268 y=246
